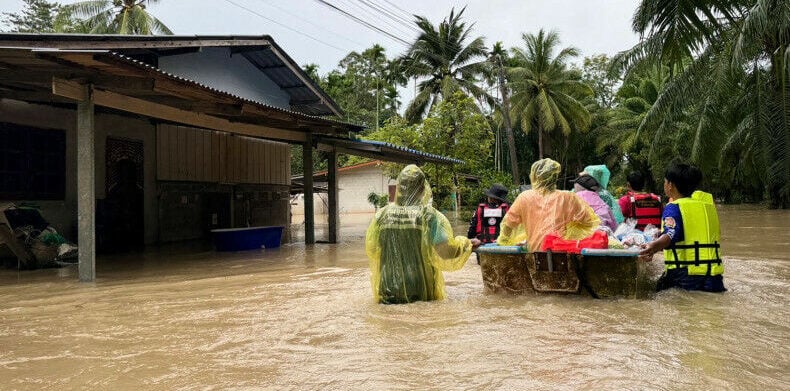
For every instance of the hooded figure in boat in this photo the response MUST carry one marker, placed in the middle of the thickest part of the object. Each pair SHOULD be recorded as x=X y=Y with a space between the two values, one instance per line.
x=544 y=210
x=409 y=244
x=601 y=174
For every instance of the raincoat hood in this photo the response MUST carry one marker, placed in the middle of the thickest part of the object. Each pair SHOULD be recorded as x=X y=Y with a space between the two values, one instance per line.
x=600 y=173
x=543 y=175
x=413 y=188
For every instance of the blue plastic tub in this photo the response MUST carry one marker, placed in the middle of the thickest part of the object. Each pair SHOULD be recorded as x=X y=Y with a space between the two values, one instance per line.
x=249 y=238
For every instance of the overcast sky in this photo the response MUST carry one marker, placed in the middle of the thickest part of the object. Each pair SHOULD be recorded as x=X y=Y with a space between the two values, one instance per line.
x=311 y=32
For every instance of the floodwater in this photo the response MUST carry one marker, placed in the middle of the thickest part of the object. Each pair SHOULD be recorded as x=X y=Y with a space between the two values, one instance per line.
x=302 y=318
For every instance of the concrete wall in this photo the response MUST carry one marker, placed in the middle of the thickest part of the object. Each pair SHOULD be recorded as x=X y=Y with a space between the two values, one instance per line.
x=63 y=214
x=217 y=68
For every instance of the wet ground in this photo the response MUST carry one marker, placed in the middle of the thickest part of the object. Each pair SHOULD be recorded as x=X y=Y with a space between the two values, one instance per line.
x=302 y=318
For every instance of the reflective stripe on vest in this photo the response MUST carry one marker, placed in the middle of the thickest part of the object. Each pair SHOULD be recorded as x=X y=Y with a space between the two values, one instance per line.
x=699 y=250
x=646 y=209
x=487 y=228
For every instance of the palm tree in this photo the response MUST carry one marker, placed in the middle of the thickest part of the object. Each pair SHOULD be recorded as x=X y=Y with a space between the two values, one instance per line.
x=545 y=92
x=441 y=56
x=498 y=58
x=750 y=39
x=117 y=17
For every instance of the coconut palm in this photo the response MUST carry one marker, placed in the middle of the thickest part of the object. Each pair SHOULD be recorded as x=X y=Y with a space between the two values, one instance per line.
x=545 y=92
x=722 y=43
x=498 y=60
x=117 y=17
x=445 y=61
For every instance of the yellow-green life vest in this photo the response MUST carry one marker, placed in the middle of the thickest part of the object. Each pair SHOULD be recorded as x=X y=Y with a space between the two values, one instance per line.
x=699 y=250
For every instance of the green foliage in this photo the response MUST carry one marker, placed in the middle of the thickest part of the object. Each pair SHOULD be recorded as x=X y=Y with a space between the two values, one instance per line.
x=378 y=200
x=455 y=128
x=726 y=99
x=546 y=93
x=36 y=16
x=115 y=17
x=445 y=62
x=596 y=74
x=363 y=86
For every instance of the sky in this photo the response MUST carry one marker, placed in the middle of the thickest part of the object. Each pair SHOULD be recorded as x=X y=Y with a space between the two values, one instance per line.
x=311 y=32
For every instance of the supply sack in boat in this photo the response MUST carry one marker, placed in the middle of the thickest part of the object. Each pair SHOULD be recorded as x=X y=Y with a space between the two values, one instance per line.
x=409 y=244
x=556 y=243
x=629 y=236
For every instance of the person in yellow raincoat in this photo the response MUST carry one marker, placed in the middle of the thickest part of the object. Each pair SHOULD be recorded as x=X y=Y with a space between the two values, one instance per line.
x=543 y=210
x=409 y=244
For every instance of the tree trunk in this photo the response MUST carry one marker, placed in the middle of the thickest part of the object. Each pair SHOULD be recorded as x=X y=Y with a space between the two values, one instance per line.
x=540 y=141
x=511 y=140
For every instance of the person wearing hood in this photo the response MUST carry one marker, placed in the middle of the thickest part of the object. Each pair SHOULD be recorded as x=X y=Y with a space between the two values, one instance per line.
x=586 y=187
x=484 y=226
x=602 y=174
x=544 y=210
x=409 y=244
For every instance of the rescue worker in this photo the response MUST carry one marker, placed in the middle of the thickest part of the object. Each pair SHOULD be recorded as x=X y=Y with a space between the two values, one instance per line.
x=409 y=244
x=601 y=174
x=487 y=217
x=544 y=210
x=690 y=234
x=645 y=208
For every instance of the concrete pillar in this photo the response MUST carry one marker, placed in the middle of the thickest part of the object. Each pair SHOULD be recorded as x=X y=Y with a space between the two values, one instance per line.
x=309 y=212
x=86 y=189
x=334 y=212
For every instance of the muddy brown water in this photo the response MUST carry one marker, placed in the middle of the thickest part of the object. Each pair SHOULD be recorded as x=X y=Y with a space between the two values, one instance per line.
x=302 y=318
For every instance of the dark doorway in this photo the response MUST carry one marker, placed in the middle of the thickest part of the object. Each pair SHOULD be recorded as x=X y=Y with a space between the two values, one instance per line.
x=120 y=223
x=216 y=211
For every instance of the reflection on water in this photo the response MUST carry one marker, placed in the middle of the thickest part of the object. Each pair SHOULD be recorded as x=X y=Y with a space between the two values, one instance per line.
x=302 y=318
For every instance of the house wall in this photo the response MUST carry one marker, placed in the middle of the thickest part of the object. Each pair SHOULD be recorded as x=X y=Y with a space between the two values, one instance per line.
x=205 y=175
x=198 y=155
x=62 y=214
x=354 y=186
x=180 y=193
x=210 y=67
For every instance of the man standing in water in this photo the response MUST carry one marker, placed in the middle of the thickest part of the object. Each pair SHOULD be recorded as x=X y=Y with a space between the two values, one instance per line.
x=690 y=234
x=409 y=244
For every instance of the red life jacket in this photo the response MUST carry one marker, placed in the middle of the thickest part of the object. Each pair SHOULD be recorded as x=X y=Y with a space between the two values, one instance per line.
x=646 y=209
x=488 y=220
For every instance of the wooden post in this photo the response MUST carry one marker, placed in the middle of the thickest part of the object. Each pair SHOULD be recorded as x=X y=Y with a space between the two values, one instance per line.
x=334 y=213
x=309 y=213
x=86 y=188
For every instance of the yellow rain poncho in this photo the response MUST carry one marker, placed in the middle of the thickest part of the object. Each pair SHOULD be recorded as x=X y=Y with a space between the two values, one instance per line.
x=409 y=244
x=543 y=210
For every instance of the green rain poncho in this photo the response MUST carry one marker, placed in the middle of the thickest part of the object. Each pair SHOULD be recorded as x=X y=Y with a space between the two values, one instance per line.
x=602 y=174
x=409 y=244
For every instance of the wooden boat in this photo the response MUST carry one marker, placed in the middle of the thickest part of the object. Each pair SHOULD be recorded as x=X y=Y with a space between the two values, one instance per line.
x=597 y=273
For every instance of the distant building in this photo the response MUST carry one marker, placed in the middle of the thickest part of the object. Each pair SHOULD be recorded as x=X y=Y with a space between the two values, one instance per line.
x=354 y=184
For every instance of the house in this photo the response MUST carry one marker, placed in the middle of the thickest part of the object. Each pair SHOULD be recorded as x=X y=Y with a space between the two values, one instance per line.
x=124 y=141
x=354 y=184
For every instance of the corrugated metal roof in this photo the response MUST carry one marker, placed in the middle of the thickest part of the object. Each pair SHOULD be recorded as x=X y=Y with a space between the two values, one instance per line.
x=151 y=68
x=386 y=151
x=261 y=50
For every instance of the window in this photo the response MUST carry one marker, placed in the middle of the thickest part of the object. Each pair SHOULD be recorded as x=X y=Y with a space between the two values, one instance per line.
x=32 y=163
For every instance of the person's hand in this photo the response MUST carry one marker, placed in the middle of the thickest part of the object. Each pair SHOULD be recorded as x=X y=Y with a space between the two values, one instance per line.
x=476 y=242
x=646 y=254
